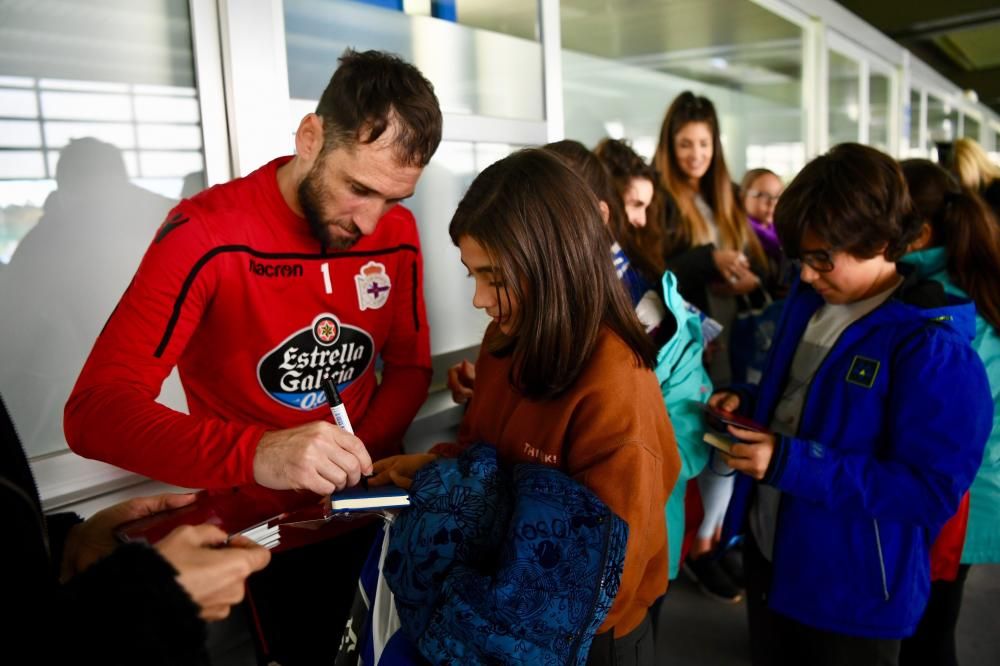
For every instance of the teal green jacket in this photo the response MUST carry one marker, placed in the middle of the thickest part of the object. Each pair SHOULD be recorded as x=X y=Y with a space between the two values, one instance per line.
x=982 y=540
x=683 y=381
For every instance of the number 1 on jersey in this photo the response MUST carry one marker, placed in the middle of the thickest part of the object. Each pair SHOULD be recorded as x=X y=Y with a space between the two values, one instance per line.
x=325 y=269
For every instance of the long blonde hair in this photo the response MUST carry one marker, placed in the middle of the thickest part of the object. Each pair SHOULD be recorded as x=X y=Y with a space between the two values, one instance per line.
x=973 y=165
x=716 y=186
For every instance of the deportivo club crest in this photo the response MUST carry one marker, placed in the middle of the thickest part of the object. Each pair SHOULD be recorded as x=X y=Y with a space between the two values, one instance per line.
x=293 y=372
x=373 y=286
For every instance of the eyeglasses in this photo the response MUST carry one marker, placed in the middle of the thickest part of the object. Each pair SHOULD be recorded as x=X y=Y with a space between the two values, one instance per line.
x=820 y=261
x=768 y=198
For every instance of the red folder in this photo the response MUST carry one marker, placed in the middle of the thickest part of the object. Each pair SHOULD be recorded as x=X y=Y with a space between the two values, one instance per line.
x=250 y=510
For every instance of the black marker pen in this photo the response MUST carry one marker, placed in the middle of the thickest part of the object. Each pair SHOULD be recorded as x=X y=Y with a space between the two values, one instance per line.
x=337 y=405
x=340 y=414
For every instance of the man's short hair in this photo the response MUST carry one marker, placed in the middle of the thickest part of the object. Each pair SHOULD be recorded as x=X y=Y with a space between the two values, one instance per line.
x=371 y=91
x=854 y=197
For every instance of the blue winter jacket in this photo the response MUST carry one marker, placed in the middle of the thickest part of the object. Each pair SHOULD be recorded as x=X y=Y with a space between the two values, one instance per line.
x=489 y=566
x=890 y=437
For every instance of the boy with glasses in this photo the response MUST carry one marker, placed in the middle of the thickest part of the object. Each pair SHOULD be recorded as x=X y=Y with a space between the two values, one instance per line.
x=878 y=410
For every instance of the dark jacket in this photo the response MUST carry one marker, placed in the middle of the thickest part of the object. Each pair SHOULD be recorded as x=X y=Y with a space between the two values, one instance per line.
x=125 y=609
x=693 y=265
x=492 y=566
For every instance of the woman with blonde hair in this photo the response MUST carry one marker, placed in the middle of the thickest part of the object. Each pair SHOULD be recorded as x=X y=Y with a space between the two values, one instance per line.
x=976 y=172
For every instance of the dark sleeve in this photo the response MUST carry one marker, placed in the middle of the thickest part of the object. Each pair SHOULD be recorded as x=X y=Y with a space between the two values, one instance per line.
x=694 y=268
x=129 y=608
x=59 y=525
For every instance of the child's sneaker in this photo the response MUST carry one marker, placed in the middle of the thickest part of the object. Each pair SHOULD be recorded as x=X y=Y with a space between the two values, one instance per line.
x=713 y=579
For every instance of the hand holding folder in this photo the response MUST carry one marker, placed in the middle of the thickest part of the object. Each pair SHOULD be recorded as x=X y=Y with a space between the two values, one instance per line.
x=258 y=513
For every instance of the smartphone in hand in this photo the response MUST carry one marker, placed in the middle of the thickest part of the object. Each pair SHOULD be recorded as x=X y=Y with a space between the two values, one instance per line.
x=719 y=420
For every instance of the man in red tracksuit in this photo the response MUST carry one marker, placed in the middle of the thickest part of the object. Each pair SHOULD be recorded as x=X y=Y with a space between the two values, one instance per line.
x=259 y=289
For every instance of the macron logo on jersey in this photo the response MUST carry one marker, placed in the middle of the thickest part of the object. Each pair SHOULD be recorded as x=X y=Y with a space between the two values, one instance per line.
x=292 y=373
x=275 y=270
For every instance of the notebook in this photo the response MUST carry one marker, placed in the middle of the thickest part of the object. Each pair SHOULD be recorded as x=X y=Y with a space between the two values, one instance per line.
x=362 y=498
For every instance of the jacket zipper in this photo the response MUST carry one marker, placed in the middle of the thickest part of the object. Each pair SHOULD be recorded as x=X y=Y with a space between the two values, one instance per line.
x=881 y=560
x=805 y=403
x=601 y=586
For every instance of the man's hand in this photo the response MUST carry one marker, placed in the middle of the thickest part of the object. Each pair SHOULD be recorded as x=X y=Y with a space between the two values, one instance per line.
x=752 y=454
x=400 y=469
x=94 y=538
x=461 y=380
x=213 y=576
x=317 y=456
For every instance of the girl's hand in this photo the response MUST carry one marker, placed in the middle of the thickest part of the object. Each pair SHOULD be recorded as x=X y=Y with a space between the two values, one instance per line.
x=461 y=380
x=400 y=469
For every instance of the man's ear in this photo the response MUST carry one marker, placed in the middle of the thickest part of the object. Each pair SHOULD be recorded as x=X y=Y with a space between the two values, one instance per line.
x=309 y=137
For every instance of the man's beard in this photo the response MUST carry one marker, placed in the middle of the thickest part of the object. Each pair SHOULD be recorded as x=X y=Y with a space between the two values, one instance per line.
x=311 y=199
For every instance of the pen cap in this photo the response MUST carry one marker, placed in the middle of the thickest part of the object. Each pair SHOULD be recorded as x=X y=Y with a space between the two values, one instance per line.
x=332 y=394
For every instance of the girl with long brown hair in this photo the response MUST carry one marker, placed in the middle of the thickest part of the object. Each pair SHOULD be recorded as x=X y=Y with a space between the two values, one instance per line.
x=708 y=243
x=564 y=372
x=640 y=278
x=635 y=182
x=956 y=242
x=710 y=247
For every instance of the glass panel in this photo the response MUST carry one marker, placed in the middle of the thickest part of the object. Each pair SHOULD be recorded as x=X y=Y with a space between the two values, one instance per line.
x=484 y=59
x=845 y=110
x=623 y=63
x=878 y=104
x=20 y=134
x=942 y=123
x=101 y=128
x=454 y=323
x=970 y=128
x=912 y=119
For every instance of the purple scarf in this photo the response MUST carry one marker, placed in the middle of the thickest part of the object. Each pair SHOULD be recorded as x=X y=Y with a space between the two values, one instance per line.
x=768 y=238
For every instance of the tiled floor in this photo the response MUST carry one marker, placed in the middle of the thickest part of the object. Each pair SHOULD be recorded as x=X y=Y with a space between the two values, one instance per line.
x=695 y=630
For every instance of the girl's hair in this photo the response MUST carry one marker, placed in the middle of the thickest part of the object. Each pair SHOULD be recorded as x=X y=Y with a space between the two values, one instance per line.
x=960 y=221
x=716 y=186
x=623 y=163
x=854 y=198
x=643 y=246
x=586 y=165
x=973 y=165
x=751 y=176
x=541 y=227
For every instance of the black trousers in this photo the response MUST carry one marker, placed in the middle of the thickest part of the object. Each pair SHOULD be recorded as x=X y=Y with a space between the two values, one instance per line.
x=934 y=642
x=777 y=640
x=302 y=599
x=633 y=649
